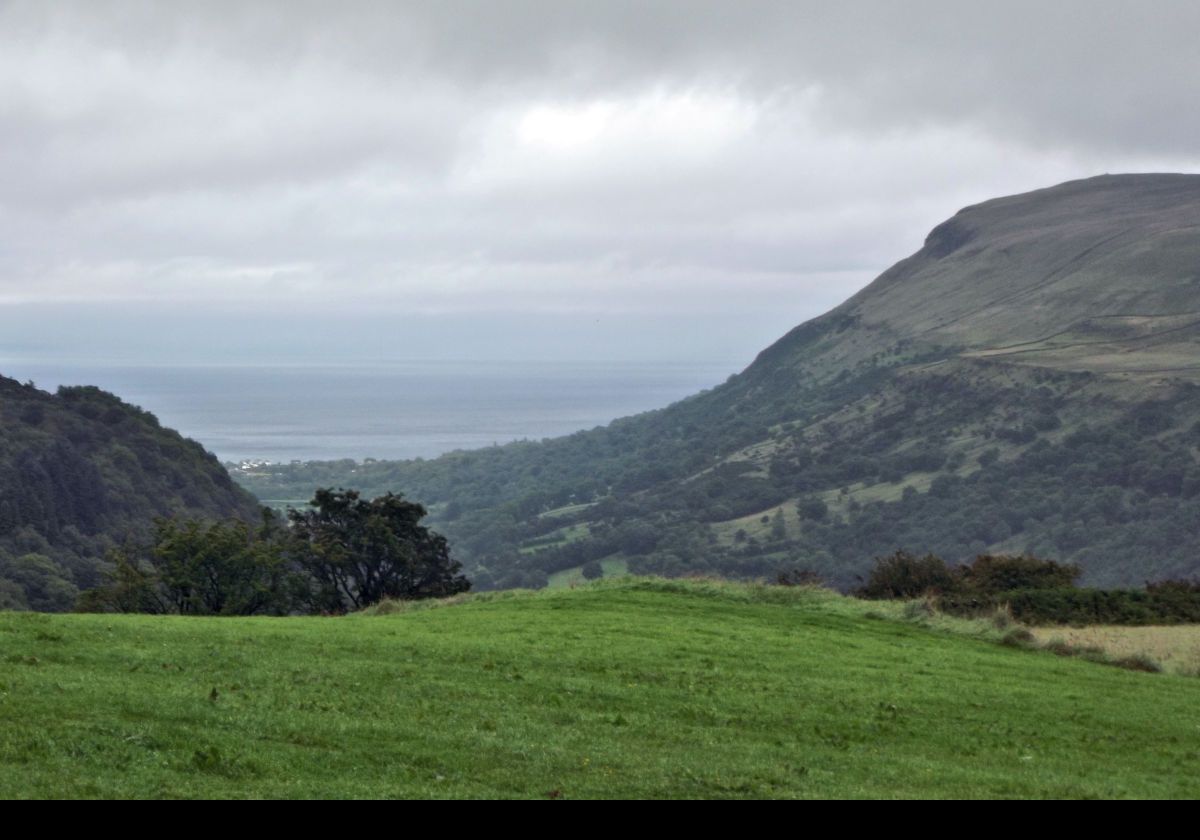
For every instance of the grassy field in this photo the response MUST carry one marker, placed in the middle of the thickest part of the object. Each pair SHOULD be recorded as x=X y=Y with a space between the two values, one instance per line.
x=629 y=688
x=1176 y=649
x=613 y=567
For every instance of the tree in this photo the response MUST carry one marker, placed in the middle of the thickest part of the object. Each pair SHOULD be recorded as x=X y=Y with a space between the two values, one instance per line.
x=360 y=552
x=778 y=526
x=223 y=568
x=194 y=567
x=128 y=588
x=813 y=508
x=40 y=583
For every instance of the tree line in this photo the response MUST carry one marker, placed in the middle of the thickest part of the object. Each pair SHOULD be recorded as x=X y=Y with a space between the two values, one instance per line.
x=1031 y=589
x=341 y=553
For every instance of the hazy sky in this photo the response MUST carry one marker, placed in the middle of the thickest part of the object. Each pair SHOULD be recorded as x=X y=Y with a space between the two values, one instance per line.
x=524 y=179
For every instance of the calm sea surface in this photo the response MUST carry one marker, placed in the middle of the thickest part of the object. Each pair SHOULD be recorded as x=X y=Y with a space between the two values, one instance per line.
x=379 y=410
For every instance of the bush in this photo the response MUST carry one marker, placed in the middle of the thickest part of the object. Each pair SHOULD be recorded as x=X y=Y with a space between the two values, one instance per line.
x=1131 y=607
x=990 y=574
x=904 y=575
x=799 y=577
x=1138 y=662
x=1018 y=637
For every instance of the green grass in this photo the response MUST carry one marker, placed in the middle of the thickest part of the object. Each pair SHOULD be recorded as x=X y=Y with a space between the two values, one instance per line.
x=614 y=566
x=630 y=688
x=555 y=539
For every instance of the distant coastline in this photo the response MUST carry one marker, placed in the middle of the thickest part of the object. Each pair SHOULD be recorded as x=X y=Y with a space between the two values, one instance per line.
x=399 y=410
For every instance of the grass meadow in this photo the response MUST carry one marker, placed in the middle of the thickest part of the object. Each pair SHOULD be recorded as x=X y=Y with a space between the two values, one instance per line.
x=623 y=688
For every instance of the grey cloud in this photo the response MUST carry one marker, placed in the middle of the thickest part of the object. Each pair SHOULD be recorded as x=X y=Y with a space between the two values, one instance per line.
x=549 y=156
x=1094 y=71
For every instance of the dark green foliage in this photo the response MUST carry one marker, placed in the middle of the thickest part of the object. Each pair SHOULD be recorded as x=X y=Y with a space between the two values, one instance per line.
x=37 y=584
x=998 y=573
x=1100 y=606
x=1030 y=590
x=799 y=577
x=193 y=567
x=224 y=568
x=813 y=508
x=82 y=472
x=359 y=552
x=344 y=552
x=1095 y=497
x=128 y=588
x=592 y=570
x=778 y=526
x=904 y=575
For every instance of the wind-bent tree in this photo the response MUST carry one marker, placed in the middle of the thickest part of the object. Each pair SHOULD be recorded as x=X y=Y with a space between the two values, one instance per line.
x=360 y=552
x=194 y=567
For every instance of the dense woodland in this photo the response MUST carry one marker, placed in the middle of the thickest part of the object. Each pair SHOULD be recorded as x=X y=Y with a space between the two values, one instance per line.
x=957 y=463
x=82 y=474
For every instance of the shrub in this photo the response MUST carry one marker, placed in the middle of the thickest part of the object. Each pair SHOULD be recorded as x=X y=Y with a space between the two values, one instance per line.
x=799 y=577
x=1018 y=637
x=904 y=575
x=1002 y=617
x=1138 y=662
x=1001 y=572
x=1129 y=607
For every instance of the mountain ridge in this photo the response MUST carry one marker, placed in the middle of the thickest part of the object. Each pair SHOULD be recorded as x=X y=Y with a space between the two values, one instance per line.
x=1026 y=380
x=1142 y=213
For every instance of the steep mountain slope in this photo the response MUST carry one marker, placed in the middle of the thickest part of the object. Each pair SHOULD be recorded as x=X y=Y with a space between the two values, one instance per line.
x=1109 y=263
x=80 y=472
x=1028 y=380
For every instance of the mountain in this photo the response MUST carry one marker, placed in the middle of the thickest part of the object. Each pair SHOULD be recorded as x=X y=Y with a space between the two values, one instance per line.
x=81 y=472
x=1029 y=380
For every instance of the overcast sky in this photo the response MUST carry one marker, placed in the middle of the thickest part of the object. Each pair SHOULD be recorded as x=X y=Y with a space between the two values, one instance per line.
x=587 y=180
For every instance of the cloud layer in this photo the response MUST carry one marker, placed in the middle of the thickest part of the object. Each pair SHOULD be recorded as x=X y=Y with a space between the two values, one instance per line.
x=685 y=161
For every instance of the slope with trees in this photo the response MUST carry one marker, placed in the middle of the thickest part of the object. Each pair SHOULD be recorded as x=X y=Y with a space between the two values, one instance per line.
x=81 y=473
x=1027 y=381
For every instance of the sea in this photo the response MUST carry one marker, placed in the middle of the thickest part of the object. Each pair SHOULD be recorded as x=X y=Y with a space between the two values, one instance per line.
x=384 y=410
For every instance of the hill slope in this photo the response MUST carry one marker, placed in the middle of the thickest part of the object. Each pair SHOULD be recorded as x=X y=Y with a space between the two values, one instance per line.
x=1028 y=380
x=643 y=689
x=80 y=472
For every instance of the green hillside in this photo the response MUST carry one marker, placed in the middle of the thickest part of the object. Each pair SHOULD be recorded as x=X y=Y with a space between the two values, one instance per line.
x=1028 y=380
x=81 y=472
x=643 y=688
